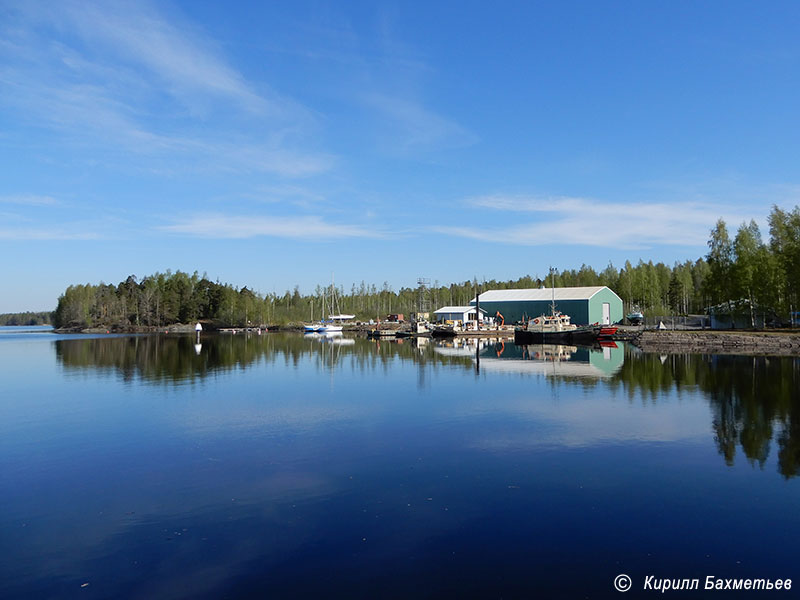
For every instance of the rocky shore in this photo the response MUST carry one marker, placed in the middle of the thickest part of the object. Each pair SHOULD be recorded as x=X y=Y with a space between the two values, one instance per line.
x=717 y=342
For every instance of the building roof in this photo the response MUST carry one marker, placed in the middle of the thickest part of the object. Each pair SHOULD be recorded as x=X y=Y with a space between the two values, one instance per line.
x=538 y=294
x=456 y=309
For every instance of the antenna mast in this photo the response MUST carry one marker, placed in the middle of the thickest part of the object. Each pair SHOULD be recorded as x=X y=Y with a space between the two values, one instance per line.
x=423 y=299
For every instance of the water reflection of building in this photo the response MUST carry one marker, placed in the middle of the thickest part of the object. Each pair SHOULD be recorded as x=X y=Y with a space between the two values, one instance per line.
x=458 y=347
x=754 y=400
x=553 y=360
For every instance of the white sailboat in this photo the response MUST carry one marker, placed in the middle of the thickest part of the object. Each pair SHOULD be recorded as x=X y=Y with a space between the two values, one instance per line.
x=312 y=327
x=330 y=325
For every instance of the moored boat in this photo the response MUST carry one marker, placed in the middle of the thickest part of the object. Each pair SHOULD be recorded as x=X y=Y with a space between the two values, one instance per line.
x=558 y=327
x=334 y=322
x=443 y=331
x=382 y=333
x=555 y=327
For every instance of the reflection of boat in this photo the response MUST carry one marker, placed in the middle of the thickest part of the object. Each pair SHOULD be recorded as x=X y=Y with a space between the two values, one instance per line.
x=455 y=350
x=586 y=334
x=321 y=336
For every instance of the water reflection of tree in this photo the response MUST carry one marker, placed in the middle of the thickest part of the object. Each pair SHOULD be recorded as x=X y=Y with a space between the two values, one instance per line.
x=753 y=399
x=169 y=359
x=750 y=396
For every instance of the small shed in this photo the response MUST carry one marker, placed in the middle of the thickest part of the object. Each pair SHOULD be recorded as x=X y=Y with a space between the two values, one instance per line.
x=457 y=313
x=596 y=304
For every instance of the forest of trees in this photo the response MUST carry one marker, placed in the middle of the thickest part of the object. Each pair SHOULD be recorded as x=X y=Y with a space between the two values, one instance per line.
x=767 y=274
x=26 y=318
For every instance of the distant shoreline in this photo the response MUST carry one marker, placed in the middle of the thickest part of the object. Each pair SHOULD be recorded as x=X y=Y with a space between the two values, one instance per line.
x=778 y=342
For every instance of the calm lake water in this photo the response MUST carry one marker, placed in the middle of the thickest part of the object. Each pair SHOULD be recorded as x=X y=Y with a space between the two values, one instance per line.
x=283 y=466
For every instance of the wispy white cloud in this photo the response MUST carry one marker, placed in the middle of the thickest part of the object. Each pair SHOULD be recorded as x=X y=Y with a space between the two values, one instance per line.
x=29 y=200
x=185 y=61
x=46 y=234
x=591 y=222
x=269 y=158
x=386 y=78
x=122 y=76
x=294 y=195
x=401 y=93
x=240 y=226
x=41 y=218
x=416 y=127
x=80 y=110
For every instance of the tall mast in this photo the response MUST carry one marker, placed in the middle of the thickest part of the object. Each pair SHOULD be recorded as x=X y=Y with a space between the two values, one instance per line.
x=553 y=289
x=334 y=300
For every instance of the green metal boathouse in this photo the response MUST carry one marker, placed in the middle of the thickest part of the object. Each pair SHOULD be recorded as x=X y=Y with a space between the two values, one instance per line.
x=584 y=305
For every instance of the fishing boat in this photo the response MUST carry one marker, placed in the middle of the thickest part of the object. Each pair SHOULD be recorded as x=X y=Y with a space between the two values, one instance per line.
x=554 y=323
x=558 y=327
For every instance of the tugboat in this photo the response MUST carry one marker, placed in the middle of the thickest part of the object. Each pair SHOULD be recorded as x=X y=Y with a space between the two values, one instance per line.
x=553 y=325
x=557 y=328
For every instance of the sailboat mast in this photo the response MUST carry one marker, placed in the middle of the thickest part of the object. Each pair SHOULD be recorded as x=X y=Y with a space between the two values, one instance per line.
x=553 y=290
x=324 y=305
x=332 y=306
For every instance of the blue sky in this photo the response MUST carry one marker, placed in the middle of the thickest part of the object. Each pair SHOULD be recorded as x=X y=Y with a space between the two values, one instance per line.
x=270 y=144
